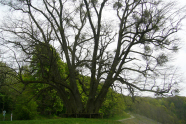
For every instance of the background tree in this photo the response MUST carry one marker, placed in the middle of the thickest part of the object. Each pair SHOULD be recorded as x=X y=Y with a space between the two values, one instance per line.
x=129 y=49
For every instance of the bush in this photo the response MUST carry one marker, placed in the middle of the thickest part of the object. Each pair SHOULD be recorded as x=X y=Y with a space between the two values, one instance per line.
x=25 y=111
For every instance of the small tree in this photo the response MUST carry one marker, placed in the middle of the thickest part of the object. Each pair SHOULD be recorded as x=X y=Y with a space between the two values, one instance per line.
x=130 y=48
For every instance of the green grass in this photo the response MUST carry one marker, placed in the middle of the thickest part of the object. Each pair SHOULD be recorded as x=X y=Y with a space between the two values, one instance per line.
x=58 y=120
x=64 y=121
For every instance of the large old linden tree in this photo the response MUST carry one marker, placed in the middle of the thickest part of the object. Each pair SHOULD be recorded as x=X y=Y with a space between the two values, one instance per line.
x=84 y=47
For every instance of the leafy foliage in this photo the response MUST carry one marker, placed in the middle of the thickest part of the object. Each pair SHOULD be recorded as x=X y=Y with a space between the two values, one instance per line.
x=25 y=111
x=113 y=105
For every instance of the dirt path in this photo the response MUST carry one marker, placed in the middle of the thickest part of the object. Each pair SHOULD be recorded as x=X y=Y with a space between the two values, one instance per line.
x=127 y=118
x=138 y=119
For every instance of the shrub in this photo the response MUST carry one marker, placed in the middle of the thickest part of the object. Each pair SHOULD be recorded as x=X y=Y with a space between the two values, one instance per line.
x=25 y=111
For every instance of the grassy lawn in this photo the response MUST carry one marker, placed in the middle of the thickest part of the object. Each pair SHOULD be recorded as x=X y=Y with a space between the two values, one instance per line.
x=112 y=120
x=138 y=119
x=64 y=121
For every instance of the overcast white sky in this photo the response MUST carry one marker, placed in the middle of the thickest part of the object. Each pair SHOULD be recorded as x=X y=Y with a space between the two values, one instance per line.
x=180 y=58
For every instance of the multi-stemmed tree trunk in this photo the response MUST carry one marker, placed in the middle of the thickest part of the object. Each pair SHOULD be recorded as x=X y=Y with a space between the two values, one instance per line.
x=122 y=42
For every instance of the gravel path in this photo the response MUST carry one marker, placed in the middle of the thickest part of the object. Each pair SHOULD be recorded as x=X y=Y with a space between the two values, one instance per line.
x=127 y=118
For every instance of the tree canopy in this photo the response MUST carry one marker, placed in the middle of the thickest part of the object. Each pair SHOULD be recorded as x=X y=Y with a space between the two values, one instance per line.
x=100 y=44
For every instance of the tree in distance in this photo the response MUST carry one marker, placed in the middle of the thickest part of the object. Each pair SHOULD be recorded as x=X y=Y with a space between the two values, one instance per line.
x=124 y=42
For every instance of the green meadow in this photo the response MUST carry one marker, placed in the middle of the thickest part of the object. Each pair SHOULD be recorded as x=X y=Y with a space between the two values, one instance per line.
x=64 y=121
x=58 y=120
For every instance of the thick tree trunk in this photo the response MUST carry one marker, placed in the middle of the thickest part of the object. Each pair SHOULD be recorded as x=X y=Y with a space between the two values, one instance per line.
x=75 y=96
x=100 y=98
x=102 y=94
x=72 y=102
x=90 y=107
